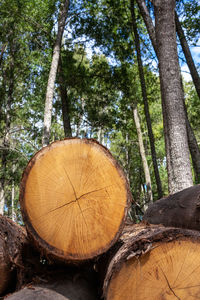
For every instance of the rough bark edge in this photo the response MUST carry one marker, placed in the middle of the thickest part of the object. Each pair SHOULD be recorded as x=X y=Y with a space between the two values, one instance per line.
x=51 y=252
x=178 y=210
x=15 y=240
x=140 y=239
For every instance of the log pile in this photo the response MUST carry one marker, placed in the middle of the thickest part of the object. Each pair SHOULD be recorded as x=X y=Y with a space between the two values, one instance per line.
x=76 y=244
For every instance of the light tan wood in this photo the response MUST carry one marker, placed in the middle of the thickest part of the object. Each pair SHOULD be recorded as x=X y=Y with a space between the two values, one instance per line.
x=169 y=271
x=74 y=197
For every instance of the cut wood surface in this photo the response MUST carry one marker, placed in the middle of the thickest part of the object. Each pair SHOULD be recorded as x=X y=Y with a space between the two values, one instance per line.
x=12 y=240
x=181 y=209
x=76 y=288
x=74 y=199
x=155 y=263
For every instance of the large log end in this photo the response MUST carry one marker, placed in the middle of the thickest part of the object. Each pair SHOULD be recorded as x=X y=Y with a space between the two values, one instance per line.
x=74 y=199
x=156 y=263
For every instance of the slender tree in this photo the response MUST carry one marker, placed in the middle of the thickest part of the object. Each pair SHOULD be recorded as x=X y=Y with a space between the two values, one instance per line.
x=9 y=82
x=188 y=56
x=177 y=149
x=145 y=101
x=64 y=101
x=52 y=73
x=143 y=156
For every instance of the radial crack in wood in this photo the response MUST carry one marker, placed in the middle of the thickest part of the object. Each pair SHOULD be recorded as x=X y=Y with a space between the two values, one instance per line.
x=74 y=199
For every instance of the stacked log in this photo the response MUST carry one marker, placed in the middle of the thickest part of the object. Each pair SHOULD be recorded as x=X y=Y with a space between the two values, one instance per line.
x=13 y=239
x=155 y=262
x=74 y=200
x=181 y=209
x=59 y=286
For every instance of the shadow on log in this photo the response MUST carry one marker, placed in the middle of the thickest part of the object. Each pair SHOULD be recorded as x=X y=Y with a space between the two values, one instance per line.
x=181 y=209
x=59 y=287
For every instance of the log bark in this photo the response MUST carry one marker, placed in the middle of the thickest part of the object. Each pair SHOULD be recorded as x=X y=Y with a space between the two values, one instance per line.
x=155 y=263
x=12 y=240
x=181 y=209
x=67 y=287
x=74 y=199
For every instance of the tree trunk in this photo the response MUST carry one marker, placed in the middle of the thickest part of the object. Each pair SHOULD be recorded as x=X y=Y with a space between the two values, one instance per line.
x=192 y=142
x=172 y=97
x=9 y=83
x=52 y=73
x=13 y=215
x=12 y=241
x=155 y=263
x=179 y=210
x=2 y=194
x=145 y=101
x=148 y=22
x=188 y=56
x=67 y=287
x=65 y=102
x=3 y=49
x=143 y=156
x=74 y=199
x=194 y=149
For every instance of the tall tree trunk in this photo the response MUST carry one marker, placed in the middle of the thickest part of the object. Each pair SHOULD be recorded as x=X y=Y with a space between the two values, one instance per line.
x=2 y=196
x=172 y=97
x=65 y=103
x=143 y=155
x=188 y=56
x=194 y=150
x=13 y=216
x=52 y=74
x=3 y=49
x=6 y=139
x=192 y=142
x=148 y=22
x=145 y=101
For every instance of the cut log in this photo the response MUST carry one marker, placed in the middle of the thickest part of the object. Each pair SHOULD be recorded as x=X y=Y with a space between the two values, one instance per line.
x=155 y=262
x=181 y=209
x=67 y=288
x=74 y=199
x=12 y=240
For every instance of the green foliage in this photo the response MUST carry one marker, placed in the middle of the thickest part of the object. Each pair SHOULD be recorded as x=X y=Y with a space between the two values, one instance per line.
x=102 y=90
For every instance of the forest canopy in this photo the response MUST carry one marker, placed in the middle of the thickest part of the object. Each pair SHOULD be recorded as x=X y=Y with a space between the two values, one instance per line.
x=107 y=70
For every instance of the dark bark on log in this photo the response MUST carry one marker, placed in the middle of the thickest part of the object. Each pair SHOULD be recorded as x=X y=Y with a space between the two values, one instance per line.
x=59 y=287
x=12 y=240
x=139 y=242
x=181 y=209
x=5 y=268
